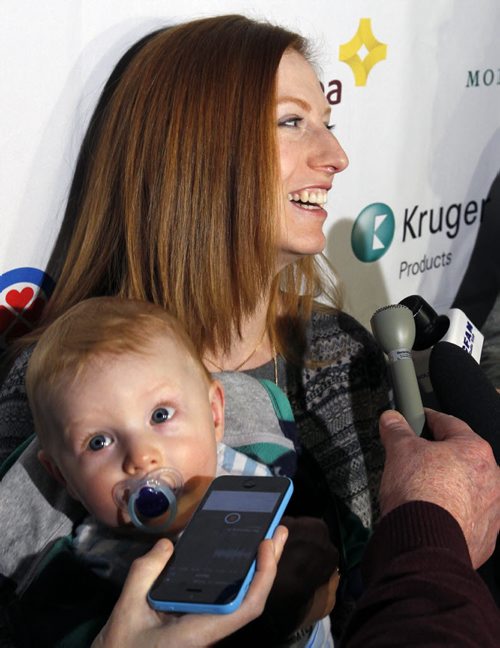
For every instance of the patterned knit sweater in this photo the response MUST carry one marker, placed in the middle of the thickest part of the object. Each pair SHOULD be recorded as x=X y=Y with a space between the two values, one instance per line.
x=337 y=405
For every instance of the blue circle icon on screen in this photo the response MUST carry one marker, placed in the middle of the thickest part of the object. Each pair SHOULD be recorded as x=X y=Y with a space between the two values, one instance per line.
x=232 y=518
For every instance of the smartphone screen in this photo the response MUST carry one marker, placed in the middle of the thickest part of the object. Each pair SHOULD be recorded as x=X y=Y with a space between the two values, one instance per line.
x=214 y=559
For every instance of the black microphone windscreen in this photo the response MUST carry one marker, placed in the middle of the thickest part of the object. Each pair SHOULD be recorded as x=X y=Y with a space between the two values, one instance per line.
x=463 y=390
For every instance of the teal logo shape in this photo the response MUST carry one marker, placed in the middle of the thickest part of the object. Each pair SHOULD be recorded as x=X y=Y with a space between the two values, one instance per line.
x=372 y=232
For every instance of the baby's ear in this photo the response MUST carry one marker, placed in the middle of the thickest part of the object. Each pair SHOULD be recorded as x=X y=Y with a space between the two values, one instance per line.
x=216 y=397
x=51 y=467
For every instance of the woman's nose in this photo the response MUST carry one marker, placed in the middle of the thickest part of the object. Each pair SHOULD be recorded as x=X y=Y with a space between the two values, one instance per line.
x=328 y=154
x=142 y=455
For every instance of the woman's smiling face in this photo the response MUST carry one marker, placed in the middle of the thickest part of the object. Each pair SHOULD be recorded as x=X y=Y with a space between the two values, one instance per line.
x=309 y=157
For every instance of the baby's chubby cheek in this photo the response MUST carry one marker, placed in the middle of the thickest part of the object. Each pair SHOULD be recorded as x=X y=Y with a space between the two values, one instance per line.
x=109 y=513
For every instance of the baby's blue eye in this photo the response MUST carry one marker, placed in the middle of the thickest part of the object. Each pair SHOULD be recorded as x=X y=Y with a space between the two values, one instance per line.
x=162 y=414
x=99 y=441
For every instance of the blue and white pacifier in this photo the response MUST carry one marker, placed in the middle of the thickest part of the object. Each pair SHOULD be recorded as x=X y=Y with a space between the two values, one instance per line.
x=150 y=500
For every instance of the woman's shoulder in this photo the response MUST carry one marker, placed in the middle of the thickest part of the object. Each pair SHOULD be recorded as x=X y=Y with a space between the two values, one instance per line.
x=324 y=317
x=16 y=423
x=341 y=349
x=14 y=377
x=331 y=330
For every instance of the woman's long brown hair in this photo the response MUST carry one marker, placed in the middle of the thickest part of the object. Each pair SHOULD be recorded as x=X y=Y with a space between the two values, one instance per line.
x=176 y=192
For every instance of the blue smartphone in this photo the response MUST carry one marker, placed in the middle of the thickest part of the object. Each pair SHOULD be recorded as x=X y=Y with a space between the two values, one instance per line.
x=214 y=559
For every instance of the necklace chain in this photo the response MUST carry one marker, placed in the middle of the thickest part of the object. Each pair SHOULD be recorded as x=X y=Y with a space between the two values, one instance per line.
x=219 y=368
x=275 y=359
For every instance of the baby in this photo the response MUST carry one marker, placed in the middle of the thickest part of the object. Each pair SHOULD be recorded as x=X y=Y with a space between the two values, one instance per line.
x=120 y=402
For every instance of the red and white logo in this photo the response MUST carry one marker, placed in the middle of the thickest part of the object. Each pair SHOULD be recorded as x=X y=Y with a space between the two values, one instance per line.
x=23 y=295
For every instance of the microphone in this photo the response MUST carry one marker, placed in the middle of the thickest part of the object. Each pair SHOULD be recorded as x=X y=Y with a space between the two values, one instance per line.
x=394 y=329
x=463 y=390
x=454 y=327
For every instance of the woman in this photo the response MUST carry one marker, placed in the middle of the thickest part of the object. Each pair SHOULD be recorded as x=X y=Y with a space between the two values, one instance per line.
x=201 y=186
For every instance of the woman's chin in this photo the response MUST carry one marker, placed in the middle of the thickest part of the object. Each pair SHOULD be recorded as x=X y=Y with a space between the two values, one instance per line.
x=293 y=254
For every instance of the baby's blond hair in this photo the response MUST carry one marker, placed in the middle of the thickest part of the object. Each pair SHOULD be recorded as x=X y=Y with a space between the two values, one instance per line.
x=93 y=328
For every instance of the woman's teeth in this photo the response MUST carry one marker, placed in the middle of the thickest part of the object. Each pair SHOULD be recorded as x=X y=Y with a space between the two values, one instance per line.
x=309 y=197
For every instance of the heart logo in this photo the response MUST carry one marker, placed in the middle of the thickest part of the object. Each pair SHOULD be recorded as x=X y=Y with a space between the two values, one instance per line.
x=19 y=299
x=20 y=304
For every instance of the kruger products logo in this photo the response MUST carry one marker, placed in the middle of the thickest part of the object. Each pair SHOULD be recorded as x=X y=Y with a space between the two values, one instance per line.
x=372 y=232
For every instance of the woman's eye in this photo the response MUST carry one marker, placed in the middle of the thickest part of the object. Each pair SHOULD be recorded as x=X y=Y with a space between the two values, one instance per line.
x=162 y=414
x=330 y=127
x=99 y=441
x=290 y=122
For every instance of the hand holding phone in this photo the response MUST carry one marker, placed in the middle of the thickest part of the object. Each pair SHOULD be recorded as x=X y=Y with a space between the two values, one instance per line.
x=133 y=624
x=214 y=559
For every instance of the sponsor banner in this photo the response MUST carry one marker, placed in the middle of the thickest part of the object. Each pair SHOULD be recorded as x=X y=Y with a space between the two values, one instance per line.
x=23 y=294
x=415 y=102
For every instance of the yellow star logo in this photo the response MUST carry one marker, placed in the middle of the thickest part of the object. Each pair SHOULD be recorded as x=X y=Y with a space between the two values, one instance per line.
x=348 y=52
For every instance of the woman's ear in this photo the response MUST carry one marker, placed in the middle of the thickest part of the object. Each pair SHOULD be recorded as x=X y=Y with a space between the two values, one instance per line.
x=216 y=397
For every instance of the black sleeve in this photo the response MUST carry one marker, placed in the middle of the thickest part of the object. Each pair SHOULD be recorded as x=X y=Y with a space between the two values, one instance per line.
x=480 y=285
x=420 y=586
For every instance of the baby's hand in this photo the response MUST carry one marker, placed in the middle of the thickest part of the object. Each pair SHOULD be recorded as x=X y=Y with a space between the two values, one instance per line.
x=307 y=580
x=323 y=601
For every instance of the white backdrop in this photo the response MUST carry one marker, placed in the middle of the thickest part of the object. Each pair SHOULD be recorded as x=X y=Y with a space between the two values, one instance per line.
x=422 y=134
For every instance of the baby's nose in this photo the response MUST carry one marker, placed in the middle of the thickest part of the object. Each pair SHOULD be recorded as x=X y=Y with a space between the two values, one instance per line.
x=141 y=457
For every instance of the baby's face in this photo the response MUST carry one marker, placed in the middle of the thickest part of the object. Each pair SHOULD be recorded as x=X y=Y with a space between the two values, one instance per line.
x=130 y=414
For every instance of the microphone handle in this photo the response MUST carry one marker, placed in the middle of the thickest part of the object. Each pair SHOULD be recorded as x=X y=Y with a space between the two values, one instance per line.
x=406 y=390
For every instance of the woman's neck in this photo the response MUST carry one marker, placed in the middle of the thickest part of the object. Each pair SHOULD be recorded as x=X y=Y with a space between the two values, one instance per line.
x=251 y=349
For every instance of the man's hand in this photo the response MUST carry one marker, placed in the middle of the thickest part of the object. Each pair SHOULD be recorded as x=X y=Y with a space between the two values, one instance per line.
x=456 y=471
